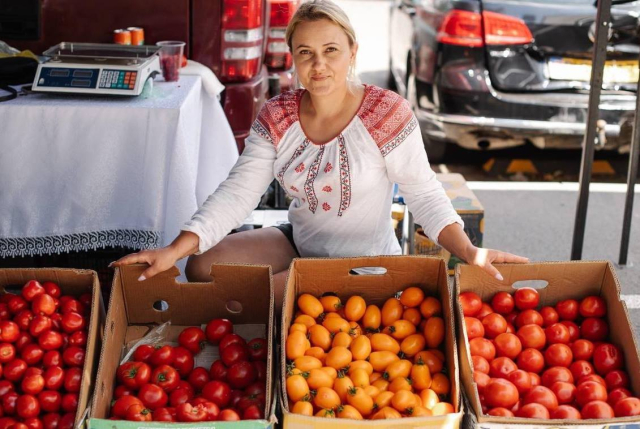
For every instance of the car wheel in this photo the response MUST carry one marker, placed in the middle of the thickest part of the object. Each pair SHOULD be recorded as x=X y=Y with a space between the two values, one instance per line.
x=436 y=149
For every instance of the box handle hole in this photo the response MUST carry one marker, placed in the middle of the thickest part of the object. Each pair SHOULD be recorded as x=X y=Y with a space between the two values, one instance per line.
x=368 y=271
x=234 y=307
x=161 y=306
x=531 y=284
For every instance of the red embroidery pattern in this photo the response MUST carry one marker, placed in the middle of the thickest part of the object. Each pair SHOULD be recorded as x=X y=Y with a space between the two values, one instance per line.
x=387 y=117
x=300 y=168
x=326 y=207
x=345 y=176
x=327 y=188
x=314 y=168
x=295 y=155
x=328 y=167
x=277 y=115
x=294 y=189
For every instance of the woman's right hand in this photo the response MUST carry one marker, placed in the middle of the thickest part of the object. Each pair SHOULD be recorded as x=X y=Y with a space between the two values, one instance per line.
x=159 y=260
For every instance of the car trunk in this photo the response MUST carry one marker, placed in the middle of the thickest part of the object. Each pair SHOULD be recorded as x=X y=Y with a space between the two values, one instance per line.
x=559 y=57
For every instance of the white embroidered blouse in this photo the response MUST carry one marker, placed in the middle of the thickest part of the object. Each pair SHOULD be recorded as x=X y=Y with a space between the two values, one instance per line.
x=341 y=190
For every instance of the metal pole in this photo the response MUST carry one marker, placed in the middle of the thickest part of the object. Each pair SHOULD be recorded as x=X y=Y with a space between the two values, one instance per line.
x=603 y=22
x=632 y=174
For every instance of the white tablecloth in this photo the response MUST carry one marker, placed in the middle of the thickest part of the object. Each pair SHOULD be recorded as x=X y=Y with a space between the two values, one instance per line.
x=79 y=173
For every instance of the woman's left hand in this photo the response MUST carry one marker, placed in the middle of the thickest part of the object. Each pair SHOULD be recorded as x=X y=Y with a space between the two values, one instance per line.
x=484 y=258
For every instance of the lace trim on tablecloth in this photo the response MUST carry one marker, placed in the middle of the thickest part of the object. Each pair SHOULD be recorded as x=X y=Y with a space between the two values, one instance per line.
x=31 y=246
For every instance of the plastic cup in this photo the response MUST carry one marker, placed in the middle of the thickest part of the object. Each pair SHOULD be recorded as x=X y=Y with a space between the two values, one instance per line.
x=170 y=59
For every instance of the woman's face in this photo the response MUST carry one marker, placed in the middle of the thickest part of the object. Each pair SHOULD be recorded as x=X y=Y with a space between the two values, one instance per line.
x=322 y=56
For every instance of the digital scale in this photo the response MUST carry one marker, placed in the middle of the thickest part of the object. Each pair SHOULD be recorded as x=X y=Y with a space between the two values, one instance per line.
x=93 y=68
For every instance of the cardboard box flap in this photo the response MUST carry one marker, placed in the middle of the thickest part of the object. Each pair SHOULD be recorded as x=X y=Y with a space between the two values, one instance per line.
x=75 y=281
x=245 y=295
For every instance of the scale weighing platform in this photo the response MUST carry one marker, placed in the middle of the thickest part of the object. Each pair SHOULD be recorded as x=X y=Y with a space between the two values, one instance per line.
x=92 y=68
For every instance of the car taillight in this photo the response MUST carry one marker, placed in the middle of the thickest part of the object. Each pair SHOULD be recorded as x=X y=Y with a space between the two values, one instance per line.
x=243 y=34
x=278 y=56
x=465 y=28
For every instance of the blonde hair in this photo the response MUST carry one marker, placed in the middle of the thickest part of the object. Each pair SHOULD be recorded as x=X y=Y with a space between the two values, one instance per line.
x=315 y=10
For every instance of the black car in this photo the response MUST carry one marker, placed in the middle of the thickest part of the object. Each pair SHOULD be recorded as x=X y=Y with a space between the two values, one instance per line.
x=491 y=74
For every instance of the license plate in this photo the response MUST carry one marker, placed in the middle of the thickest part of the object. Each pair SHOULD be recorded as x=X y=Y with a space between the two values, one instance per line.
x=615 y=71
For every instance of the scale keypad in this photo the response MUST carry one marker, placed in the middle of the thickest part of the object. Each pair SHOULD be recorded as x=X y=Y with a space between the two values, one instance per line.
x=118 y=79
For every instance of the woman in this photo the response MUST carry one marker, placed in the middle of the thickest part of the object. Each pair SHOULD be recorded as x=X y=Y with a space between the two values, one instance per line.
x=336 y=147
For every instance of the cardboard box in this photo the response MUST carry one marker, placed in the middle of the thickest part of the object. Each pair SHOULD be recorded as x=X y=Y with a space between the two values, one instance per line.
x=566 y=280
x=317 y=276
x=75 y=283
x=240 y=293
x=466 y=205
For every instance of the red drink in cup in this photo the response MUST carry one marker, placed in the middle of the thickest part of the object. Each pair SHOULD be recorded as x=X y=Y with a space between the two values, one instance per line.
x=170 y=59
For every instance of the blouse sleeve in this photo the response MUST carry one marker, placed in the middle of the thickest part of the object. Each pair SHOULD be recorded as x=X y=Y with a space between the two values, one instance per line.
x=239 y=194
x=408 y=166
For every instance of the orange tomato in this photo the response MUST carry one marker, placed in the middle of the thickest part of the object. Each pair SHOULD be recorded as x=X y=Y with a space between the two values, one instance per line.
x=412 y=315
x=400 y=368
x=420 y=411
x=434 y=332
x=381 y=384
x=355 y=330
x=360 y=401
x=305 y=320
x=430 y=307
x=400 y=329
x=341 y=385
x=327 y=398
x=302 y=407
x=403 y=400
x=386 y=413
x=329 y=414
x=418 y=400
x=383 y=399
x=336 y=324
x=374 y=376
x=391 y=311
x=338 y=357
x=420 y=376
x=330 y=315
x=332 y=372
x=354 y=308
x=293 y=371
x=440 y=384
x=318 y=378
x=360 y=347
x=442 y=408
x=429 y=398
x=297 y=388
x=380 y=360
x=411 y=297
x=382 y=342
x=431 y=360
x=439 y=354
x=298 y=327
x=330 y=303
x=341 y=339
x=400 y=383
x=307 y=363
x=413 y=344
x=296 y=345
x=349 y=412
x=361 y=364
x=360 y=378
x=310 y=305
x=371 y=391
x=319 y=336
x=316 y=352
x=372 y=318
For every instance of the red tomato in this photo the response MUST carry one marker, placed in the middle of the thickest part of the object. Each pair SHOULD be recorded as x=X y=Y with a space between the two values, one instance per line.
x=234 y=353
x=615 y=379
x=9 y=401
x=217 y=329
x=72 y=305
x=50 y=401
x=229 y=415
x=32 y=384
x=532 y=336
x=217 y=392
x=32 y=354
x=134 y=374
x=566 y=412
x=163 y=415
x=86 y=300
x=121 y=391
x=39 y=324
x=252 y=413
x=558 y=355
x=16 y=304
x=501 y=367
x=549 y=316
x=500 y=393
x=470 y=303
x=166 y=377
x=27 y=406
x=521 y=379
x=574 y=330
x=541 y=395
x=526 y=298
x=162 y=356
x=607 y=358
x=33 y=423
x=72 y=379
x=261 y=370
x=138 y=413
x=72 y=321
x=121 y=405
x=5 y=387
x=5 y=314
x=52 y=358
x=23 y=319
x=593 y=306
x=24 y=338
x=67 y=421
x=218 y=371
x=14 y=370
x=485 y=310
x=7 y=352
x=180 y=396
x=230 y=339
x=580 y=368
x=183 y=362
x=531 y=360
x=597 y=410
x=474 y=327
x=567 y=309
x=52 y=289
x=53 y=378
x=258 y=349
x=192 y=339
x=143 y=353
x=617 y=395
x=481 y=379
x=241 y=374
x=198 y=378
x=9 y=331
x=56 y=321
x=32 y=289
x=503 y=303
x=556 y=373
x=43 y=304
x=628 y=407
x=582 y=349
x=590 y=391
x=500 y=412
x=257 y=388
x=73 y=356
x=557 y=333
x=78 y=339
x=511 y=317
x=594 y=329
x=535 y=379
x=565 y=392
x=482 y=347
x=494 y=325
x=480 y=364
x=213 y=411
x=152 y=396
x=51 y=421
x=529 y=317
x=184 y=385
x=533 y=411
x=50 y=340
x=188 y=413
x=592 y=377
